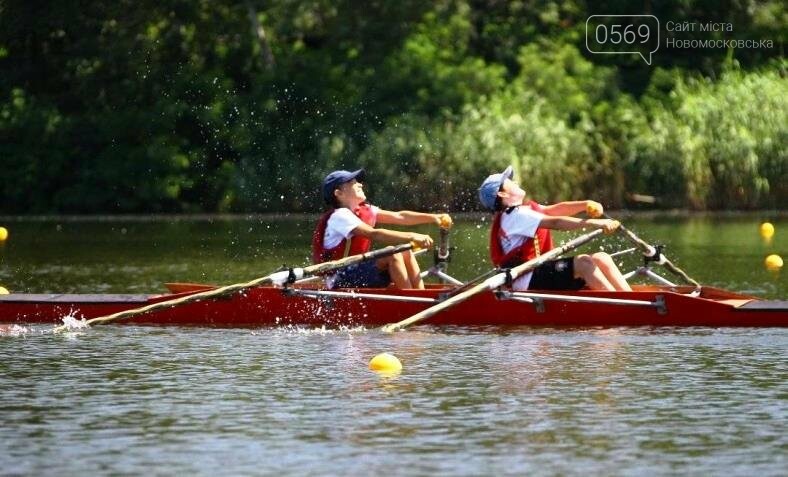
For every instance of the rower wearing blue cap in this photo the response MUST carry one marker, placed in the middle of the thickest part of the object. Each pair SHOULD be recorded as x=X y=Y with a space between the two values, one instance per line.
x=348 y=227
x=521 y=232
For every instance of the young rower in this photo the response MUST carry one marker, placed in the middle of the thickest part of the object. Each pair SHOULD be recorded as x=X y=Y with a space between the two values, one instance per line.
x=349 y=228
x=521 y=232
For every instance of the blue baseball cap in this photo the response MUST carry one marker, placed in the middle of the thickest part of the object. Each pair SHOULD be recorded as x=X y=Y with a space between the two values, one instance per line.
x=488 y=192
x=336 y=179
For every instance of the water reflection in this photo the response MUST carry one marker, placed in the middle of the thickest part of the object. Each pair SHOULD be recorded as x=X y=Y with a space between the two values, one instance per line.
x=468 y=402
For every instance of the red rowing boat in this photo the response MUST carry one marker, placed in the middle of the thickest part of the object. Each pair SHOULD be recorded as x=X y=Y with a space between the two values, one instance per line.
x=286 y=298
x=313 y=307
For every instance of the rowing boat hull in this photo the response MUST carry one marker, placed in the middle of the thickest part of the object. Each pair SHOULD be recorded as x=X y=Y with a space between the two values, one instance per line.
x=269 y=306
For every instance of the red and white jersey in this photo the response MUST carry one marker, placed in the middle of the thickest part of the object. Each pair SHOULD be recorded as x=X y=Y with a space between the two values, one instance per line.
x=516 y=237
x=341 y=224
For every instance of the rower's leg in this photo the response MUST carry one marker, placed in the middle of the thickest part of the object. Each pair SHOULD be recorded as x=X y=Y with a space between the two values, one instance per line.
x=395 y=265
x=412 y=266
x=586 y=268
x=605 y=263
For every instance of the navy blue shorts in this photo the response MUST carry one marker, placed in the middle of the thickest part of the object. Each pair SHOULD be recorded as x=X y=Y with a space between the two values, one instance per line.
x=362 y=275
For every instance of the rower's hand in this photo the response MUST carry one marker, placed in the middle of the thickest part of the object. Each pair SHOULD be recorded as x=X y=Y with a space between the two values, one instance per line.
x=444 y=221
x=594 y=209
x=421 y=240
x=608 y=225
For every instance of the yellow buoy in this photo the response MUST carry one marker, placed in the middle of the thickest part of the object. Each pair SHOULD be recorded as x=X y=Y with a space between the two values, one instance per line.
x=767 y=230
x=773 y=262
x=385 y=363
x=3 y=234
x=3 y=291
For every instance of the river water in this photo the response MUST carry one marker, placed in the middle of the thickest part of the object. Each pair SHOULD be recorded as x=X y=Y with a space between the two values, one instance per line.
x=288 y=401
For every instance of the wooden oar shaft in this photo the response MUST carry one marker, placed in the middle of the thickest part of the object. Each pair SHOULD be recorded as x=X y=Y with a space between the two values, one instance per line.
x=493 y=282
x=277 y=278
x=554 y=253
x=649 y=250
x=362 y=257
x=216 y=292
x=434 y=310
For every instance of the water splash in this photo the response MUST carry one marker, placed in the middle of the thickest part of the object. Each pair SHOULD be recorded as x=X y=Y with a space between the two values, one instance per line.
x=305 y=330
x=14 y=330
x=71 y=322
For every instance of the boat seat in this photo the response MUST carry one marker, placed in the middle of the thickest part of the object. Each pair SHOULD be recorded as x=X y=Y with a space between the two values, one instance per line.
x=735 y=302
x=72 y=298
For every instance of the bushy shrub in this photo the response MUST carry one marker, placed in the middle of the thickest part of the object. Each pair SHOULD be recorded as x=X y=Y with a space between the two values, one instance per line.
x=702 y=144
x=720 y=144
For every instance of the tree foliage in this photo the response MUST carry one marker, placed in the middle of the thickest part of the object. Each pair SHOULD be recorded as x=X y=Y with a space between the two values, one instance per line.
x=220 y=105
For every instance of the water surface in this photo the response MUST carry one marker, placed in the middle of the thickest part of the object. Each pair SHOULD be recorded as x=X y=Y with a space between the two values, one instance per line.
x=468 y=402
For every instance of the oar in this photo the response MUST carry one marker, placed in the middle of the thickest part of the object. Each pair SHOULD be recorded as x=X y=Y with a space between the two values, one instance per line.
x=493 y=282
x=649 y=251
x=276 y=278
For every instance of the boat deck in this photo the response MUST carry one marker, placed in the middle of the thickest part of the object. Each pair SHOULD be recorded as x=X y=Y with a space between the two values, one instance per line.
x=73 y=298
x=771 y=305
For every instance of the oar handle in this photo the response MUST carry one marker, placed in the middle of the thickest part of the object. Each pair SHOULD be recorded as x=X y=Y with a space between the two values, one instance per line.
x=493 y=282
x=325 y=267
x=443 y=247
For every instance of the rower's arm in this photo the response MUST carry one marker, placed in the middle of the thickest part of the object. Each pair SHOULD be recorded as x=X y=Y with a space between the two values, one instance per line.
x=392 y=236
x=573 y=223
x=407 y=217
x=570 y=207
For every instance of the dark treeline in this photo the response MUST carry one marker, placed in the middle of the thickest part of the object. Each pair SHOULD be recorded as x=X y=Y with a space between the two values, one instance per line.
x=215 y=105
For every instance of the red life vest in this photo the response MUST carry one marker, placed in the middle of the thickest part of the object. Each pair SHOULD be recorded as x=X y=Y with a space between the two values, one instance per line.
x=525 y=251
x=358 y=243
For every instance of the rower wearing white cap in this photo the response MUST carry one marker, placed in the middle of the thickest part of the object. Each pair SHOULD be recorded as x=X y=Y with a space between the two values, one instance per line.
x=521 y=232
